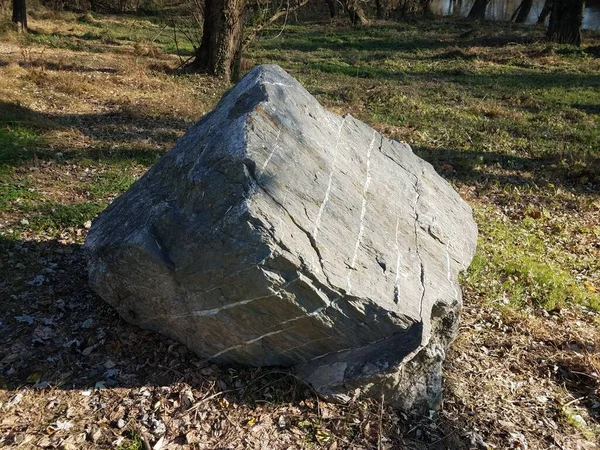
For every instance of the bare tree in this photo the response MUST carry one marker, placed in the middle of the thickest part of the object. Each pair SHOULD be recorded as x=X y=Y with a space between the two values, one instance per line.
x=410 y=7
x=355 y=12
x=457 y=7
x=545 y=12
x=222 y=32
x=522 y=12
x=19 y=14
x=565 y=21
x=380 y=11
x=478 y=10
x=332 y=8
x=280 y=12
x=222 y=42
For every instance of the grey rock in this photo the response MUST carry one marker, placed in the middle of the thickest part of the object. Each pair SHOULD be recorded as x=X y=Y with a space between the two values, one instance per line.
x=278 y=233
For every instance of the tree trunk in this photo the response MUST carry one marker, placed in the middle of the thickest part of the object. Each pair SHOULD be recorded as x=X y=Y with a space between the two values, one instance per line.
x=565 y=21
x=523 y=11
x=220 y=50
x=331 y=6
x=478 y=10
x=379 y=8
x=355 y=12
x=19 y=14
x=545 y=12
x=457 y=7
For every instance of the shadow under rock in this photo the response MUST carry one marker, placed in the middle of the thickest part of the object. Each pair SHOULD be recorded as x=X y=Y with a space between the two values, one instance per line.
x=55 y=332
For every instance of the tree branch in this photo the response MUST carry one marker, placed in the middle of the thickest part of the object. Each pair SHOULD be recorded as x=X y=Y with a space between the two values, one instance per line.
x=279 y=13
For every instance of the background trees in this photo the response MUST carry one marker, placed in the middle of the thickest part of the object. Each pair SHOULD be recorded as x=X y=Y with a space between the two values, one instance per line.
x=219 y=38
x=478 y=10
x=19 y=14
x=565 y=21
x=523 y=11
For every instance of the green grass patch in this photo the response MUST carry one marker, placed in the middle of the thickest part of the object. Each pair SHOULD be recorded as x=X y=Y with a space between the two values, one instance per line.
x=16 y=192
x=113 y=182
x=513 y=267
x=49 y=217
x=135 y=443
x=17 y=143
x=574 y=419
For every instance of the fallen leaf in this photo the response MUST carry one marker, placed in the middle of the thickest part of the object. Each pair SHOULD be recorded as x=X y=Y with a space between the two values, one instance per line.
x=187 y=399
x=42 y=334
x=63 y=425
x=15 y=400
x=37 y=281
x=34 y=377
x=25 y=319
x=159 y=444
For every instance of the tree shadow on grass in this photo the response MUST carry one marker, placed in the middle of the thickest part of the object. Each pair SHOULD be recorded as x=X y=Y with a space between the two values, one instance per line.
x=49 y=65
x=404 y=36
x=127 y=134
x=463 y=76
x=57 y=335
x=472 y=167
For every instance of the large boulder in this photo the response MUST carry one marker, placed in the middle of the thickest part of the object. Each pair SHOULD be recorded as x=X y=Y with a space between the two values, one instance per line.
x=278 y=233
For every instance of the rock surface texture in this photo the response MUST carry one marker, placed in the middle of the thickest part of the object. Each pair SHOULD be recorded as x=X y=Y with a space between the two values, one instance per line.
x=278 y=233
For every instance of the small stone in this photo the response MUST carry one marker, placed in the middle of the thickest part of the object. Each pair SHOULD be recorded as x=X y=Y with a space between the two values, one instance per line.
x=15 y=400
x=158 y=427
x=281 y=422
x=579 y=420
x=121 y=424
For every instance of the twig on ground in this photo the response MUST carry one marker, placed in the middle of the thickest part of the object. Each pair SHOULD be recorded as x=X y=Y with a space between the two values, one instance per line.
x=575 y=400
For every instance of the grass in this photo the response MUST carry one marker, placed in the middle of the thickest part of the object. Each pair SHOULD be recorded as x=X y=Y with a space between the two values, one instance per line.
x=510 y=120
x=576 y=421
x=510 y=268
x=135 y=443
